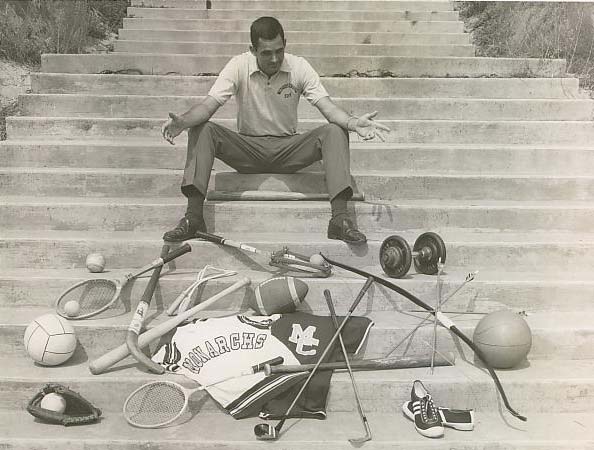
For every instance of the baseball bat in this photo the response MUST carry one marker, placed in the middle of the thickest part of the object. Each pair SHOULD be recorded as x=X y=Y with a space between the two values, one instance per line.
x=364 y=364
x=112 y=357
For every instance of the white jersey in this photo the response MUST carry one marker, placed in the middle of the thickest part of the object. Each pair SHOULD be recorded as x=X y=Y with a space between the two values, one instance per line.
x=209 y=350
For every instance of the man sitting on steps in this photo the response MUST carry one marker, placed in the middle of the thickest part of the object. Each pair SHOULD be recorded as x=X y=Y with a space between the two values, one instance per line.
x=267 y=84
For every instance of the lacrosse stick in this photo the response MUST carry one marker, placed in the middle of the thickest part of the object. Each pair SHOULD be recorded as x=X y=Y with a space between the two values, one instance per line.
x=184 y=300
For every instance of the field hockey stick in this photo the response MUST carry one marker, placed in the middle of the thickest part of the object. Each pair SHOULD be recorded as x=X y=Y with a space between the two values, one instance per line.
x=104 y=362
x=183 y=300
x=284 y=258
x=138 y=317
x=365 y=364
x=442 y=318
x=98 y=294
x=159 y=403
x=267 y=432
x=367 y=436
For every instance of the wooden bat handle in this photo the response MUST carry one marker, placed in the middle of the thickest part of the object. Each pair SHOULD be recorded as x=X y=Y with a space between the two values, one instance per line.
x=104 y=362
x=364 y=364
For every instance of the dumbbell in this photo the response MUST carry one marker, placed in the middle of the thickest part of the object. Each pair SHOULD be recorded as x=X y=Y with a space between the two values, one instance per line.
x=396 y=255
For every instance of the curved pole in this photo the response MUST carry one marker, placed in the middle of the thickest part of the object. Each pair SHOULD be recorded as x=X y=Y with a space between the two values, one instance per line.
x=442 y=318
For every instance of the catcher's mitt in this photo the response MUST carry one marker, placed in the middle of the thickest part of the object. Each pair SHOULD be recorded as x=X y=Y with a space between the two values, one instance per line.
x=78 y=411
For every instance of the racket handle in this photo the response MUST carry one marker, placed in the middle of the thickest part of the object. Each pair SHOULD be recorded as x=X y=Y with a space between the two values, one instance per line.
x=114 y=356
x=177 y=253
x=210 y=237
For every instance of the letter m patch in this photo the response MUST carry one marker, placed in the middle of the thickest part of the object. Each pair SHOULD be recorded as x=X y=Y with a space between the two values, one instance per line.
x=304 y=338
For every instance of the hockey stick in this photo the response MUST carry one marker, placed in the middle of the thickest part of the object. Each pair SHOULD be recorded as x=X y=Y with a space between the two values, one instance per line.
x=367 y=436
x=364 y=364
x=265 y=431
x=137 y=321
x=283 y=258
x=104 y=362
x=272 y=196
x=442 y=318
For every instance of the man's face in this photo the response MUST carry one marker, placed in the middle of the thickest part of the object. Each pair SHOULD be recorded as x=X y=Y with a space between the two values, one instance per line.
x=269 y=54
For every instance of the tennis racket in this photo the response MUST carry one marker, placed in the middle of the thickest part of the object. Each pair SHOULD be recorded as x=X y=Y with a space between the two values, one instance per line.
x=184 y=301
x=160 y=403
x=96 y=295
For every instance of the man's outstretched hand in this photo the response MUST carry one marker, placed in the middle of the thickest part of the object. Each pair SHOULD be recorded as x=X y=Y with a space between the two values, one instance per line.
x=172 y=128
x=368 y=128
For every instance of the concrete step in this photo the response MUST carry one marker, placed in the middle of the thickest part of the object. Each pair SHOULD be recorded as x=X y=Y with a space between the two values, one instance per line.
x=306 y=24
x=555 y=336
x=320 y=13
x=390 y=431
x=135 y=106
x=381 y=391
x=551 y=133
x=491 y=290
x=141 y=153
x=466 y=251
x=305 y=5
x=299 y=37
x=390 y=185
x=376 y=185
x=216 y=48
x=483 y=88
x=397 y=66
x=149 y=214
x=418 y=158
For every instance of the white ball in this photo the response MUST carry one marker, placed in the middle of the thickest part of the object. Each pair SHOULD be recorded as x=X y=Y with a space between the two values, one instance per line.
x=316 y=258
x=50 y=340
x=53 y=402
x=71 y=308
x=95 y=262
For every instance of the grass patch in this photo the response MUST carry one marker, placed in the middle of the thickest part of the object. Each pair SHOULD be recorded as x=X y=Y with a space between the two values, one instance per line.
x=534 y=30
x=29 y=28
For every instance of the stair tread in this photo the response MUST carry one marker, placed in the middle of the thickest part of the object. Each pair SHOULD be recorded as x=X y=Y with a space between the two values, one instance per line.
x=189 y=275
x=383 y=320
x=451 y=236
x=389 y=431
x=22 y=369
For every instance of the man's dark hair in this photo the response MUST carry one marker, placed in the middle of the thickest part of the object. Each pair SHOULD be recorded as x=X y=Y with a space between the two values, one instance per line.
x=266 y=28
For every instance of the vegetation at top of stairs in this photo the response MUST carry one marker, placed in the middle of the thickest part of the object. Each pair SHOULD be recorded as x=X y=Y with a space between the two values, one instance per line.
x=534 y=30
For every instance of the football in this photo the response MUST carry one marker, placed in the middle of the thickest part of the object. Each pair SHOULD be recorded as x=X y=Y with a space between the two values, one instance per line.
x=279 y=295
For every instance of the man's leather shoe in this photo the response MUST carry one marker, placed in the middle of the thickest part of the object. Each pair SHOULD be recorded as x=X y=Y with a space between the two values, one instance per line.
x=346 y=231
x=185 y=229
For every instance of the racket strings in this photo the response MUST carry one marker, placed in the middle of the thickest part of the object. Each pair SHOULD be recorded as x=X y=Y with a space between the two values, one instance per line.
x=155 y=404
x=91 y=296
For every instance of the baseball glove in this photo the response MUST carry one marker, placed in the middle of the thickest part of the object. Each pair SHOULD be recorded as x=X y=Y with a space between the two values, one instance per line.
x=78 y=410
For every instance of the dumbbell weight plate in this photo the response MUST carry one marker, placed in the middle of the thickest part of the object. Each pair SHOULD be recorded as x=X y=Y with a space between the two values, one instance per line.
x=395 y=256
x=432 y=241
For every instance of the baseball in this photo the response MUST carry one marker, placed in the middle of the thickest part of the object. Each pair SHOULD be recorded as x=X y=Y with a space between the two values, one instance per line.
x=72 y=308
x=317 y=259
x=95 y=262
x=53 y=402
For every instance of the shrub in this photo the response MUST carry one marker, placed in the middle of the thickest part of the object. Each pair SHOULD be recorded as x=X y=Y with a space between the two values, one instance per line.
x=534 y=30
x=29 y=28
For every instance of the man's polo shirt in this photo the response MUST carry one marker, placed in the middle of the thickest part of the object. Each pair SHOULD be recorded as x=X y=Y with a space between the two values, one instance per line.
x=267 y=106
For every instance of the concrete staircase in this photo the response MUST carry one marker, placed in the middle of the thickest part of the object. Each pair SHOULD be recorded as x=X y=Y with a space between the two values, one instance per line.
x=493 y=154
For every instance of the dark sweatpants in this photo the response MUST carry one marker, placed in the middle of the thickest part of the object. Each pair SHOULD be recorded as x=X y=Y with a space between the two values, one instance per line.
x=267 y=154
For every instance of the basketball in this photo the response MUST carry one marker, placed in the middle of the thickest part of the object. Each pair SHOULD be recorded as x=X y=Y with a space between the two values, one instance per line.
x=504 y=338
x=50 y=340
x=95 y=262
x=279 y=295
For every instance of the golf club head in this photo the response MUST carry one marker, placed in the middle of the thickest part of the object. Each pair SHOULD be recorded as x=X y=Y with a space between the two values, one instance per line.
x=265 y=432
x=367 y=437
